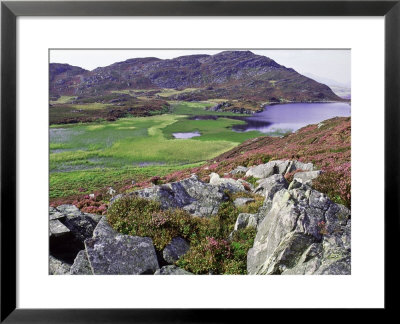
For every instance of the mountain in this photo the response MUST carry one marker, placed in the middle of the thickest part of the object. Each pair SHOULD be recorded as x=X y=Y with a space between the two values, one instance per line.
x=343 y=90
x=240 y=75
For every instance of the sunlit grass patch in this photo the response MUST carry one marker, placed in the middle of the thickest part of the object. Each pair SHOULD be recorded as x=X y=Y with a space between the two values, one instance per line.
x=62 y=100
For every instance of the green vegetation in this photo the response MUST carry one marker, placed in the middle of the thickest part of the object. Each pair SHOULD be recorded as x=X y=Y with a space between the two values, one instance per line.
x=98 y=154
x=210 y=130
x=80 y=182
x=210 y=251
x=170 y=92
x=62 y=100
x=196 y=109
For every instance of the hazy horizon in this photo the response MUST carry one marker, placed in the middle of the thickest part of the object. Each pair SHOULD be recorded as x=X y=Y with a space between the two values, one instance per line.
x=330 y=64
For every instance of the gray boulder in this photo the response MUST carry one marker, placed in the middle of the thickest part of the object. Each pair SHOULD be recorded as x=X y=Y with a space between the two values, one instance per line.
x=297 y=165
x=58 y=267
x=245 y=220
x=110 y=253
x=191 y=194
x=172 y=270
x=307 y=177
x=302 y=232
x=229 y=184
x=269 y=186
x=277 y=167
x=175 y=249
x=70 y=210
x=262 y=171
x=57 y=229
x=239 y=169
x=238 y=202
x=81 y=265
x=55 y=214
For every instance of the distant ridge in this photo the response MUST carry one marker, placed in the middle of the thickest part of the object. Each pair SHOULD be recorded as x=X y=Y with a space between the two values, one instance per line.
x=227 y=75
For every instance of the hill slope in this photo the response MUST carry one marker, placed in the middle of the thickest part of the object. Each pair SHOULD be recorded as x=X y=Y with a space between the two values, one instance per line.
x=226 y=75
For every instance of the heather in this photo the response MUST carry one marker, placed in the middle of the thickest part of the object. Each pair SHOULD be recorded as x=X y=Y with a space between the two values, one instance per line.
x=327 y=145
x=212 y=249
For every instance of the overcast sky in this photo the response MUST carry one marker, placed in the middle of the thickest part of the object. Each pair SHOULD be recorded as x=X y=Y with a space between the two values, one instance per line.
x=330 y=64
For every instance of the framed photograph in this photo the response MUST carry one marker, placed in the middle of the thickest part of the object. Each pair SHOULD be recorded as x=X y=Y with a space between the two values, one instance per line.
x=163 y=158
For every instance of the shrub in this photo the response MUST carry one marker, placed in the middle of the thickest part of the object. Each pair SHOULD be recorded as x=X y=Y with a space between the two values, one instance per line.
x=206 y=256
x=210 y=250
x=143 y=217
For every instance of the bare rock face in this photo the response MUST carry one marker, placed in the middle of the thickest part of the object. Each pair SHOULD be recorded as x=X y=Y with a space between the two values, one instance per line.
x=58 y=267
x=303 y=232
x=307 y=177
x=69 y=228
x=245 y=220
x=277 y=167
x=81 y=265
x=110 y=253
x=229 y=184
x=57 y=229
x=269 y=186
x=172 y=270
x=198 y=198
x=238 y=202
x=175 y=249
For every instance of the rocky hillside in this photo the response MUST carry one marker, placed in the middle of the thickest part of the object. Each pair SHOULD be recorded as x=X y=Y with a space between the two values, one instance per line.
x=225 y=226
x=239 y=75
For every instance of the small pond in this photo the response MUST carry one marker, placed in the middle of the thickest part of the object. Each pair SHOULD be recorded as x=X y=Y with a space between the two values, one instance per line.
x=186 y=135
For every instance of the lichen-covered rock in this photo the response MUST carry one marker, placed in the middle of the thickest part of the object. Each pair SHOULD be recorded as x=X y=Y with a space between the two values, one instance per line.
x=58 y=267
x=302 y=232
x=243 y=201
x=175 y=249
x=239 y=169
x=307 y=177
x=70 y=210
x=269 y=186
x=191 y=194
x=262 y=171
x=55 y=214
x=56 y=228
x=297 y=165
x=172 y=270
x=81 y=265
x=111 y=253
x=277 y=167
x=229 y=184
x=245 y=220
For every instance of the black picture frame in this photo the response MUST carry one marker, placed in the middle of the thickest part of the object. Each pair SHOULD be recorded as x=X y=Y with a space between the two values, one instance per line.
x=11 y=10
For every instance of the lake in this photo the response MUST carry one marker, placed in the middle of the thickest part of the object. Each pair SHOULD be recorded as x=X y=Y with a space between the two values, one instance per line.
x=290 y=117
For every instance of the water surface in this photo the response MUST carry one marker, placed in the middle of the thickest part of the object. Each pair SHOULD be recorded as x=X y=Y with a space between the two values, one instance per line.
x=186 y=135
x=290 y=117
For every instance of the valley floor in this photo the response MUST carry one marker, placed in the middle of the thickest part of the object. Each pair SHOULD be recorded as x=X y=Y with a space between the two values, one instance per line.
x=87 y=157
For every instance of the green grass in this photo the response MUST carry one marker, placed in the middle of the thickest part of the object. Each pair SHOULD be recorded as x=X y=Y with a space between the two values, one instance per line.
x=66 y=184
x=128 y=141
x=211 y=130
x=196 y=108
x=98 y=153
x=62 y=100
x=170 y=92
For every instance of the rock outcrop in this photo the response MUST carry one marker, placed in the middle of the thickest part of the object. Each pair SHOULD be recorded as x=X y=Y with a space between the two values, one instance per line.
x=172 y=270
x=197 y=197
x=303 y=232
x=277 y=167
x=299 y=230
x=175 y=249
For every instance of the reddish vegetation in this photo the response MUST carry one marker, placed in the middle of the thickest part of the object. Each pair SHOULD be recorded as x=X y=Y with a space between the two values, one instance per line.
x=327 y=146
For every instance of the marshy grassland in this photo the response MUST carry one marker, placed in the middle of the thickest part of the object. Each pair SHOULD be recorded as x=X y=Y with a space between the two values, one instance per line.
x=85 y=157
